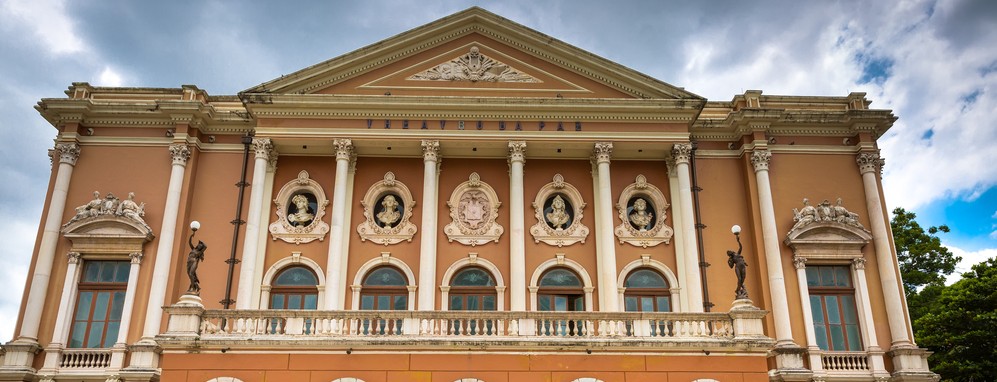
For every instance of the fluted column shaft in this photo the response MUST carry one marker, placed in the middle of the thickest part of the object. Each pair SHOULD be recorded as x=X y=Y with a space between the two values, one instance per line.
x=335 y=296
x=68 y=154
x=427 y=249
x=609 y=300
x=517 y=226
x=682 y=152
x=869 y=164
x=770 y=242
x=250 y=244
x=164 y=256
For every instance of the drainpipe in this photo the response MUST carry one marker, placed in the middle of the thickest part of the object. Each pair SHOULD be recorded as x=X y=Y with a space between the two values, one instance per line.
x=699 y=230
x=237 y=222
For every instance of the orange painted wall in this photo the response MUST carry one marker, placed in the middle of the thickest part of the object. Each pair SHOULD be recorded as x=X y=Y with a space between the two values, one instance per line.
x=446 y=367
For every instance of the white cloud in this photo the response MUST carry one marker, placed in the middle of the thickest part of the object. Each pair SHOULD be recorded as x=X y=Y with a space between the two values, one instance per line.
x=969 y=258
x=14 y=271
x=108 y=77
x=46 y=20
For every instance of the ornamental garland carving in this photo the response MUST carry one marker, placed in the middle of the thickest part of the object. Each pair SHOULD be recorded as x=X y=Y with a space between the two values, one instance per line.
x=559 y=207
x=300 y=206
x=387 y=210
x=473 y=209
x=642 y=212
x=824 y=212
x=474 y=67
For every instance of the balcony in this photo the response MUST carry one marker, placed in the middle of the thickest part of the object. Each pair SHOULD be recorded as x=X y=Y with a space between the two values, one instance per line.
x=739 y=330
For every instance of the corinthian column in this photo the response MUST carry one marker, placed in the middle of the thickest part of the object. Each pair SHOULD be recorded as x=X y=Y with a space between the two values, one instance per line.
x=144 y=356
x=770 y=242
x=606 y=258
x=335 y=295
x=243 y=299
x=427 y=249
x=682 y=153
x=869 y=164
x=517 y=227
x=68 y=154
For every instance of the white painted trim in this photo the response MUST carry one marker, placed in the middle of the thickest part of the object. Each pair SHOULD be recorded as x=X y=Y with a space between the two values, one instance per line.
x=384 y=259
x=560 y=261
x=294 y=259
x=647 y=262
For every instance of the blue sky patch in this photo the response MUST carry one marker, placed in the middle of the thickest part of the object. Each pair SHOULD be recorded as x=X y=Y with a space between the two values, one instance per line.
x=971 y=221
x=874 y=69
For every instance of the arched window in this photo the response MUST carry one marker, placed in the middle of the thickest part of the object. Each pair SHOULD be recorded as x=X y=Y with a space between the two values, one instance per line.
x=472 y=288
x=294 y=288
x=646 y=291
x=560 y=290
x=384 y=288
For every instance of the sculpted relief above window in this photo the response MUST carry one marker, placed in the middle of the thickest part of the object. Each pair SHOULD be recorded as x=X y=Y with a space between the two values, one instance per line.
x=300 y=206
x=558 y=209
x=642 y=212
x=387 y=210
x=473 y=208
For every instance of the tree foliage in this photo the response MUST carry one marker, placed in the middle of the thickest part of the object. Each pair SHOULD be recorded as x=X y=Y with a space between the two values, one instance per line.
x=960 y=325
x=923 y=259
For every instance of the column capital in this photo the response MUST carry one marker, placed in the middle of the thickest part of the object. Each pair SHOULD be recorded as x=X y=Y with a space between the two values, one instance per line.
x=671 y=166
x=136 y=257
x=760 y=159
x=73 y=257
x=602 y=152
x=431 y=151
x=682 y=153
x=869 y=162
x=344 y=148
x=68 y=152
x=180 y=153
x=799 y=262
x=517 y=151
x=263 y=147
x=858 y=263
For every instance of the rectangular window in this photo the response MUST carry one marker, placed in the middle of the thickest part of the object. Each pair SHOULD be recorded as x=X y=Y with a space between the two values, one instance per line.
x=832 y=306
x=99 y=302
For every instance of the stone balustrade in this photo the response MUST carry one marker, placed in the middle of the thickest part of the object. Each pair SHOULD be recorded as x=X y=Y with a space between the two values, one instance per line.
x=441 y=329
x=85 y=359
x=835 y=362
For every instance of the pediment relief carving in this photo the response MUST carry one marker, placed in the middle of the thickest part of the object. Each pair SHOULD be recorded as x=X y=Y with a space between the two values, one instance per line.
x=300 y=206
x=642 y=214
x=108 y=225
x=558 y=208
x=827 y=232
x=474 y=66
x=473 y=209
x=387 y=210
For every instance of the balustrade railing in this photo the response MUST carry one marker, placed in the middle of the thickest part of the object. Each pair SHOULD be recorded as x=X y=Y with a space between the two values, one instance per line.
x=845 y=361
x=85 y=359
x=461 y=324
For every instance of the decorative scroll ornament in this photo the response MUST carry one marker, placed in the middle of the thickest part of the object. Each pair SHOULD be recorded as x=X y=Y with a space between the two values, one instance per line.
x=559 y=209
x=474 y=209
x=110 y=205
x=474 y=67
x=824 y=213
x=387 y=210
x=300 y=207
x=642 y=212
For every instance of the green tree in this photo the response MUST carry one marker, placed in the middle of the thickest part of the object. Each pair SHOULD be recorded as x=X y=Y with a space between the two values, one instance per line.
x=923 y=259
x=960 y=327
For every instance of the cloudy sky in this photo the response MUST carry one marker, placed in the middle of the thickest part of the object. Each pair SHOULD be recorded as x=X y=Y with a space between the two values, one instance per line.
x=933 y=62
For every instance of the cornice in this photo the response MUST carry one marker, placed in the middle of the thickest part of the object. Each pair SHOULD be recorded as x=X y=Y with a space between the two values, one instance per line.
x=474 y=108
x=782 y=122
x=154 y=114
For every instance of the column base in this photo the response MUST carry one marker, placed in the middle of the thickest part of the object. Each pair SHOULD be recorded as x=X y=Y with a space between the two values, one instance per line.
x=144 y=357
x=19 y=359
x=789 y=364
x=910 y=363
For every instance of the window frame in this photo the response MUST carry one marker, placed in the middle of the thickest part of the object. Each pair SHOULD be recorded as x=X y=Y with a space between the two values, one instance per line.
x=96 y=287
x=821 y=292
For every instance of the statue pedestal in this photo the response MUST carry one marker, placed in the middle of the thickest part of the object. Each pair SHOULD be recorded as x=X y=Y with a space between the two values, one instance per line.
x=185 y=317
x=748 y=324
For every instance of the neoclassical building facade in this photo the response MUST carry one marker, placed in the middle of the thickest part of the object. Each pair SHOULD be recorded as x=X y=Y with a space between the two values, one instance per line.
x=470 y=200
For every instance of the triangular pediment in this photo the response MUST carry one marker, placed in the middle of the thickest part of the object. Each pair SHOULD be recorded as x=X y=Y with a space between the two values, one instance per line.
x=473 y=53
